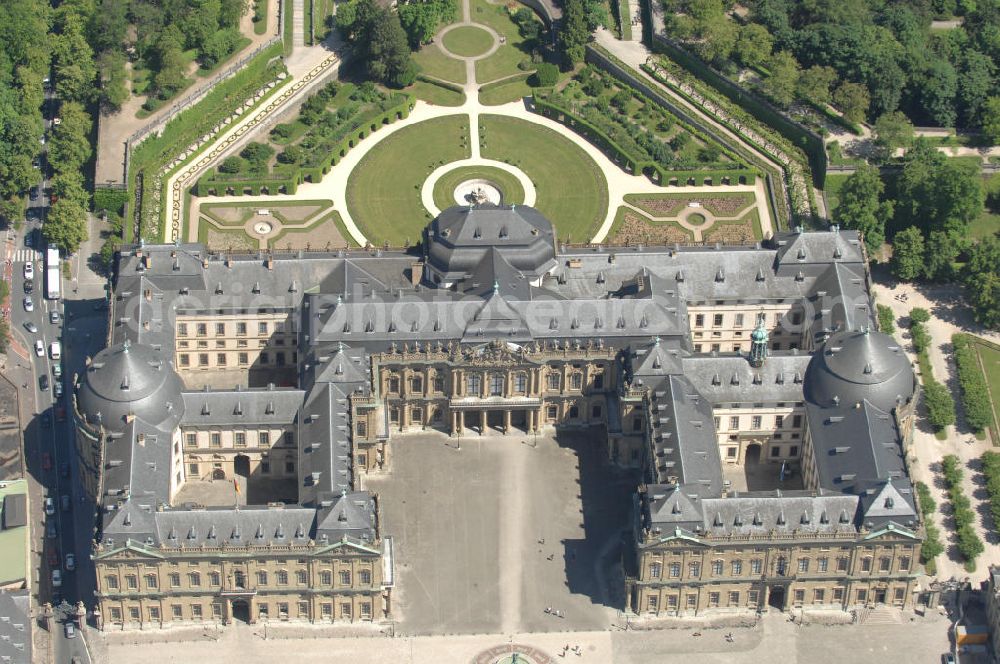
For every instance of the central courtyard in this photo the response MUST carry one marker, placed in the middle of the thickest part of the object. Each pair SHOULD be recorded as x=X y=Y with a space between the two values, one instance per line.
x=490 y=531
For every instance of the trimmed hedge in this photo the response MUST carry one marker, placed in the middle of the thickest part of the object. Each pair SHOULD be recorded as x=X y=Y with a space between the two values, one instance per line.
x=214 y=183
x=991 y=471
x=886 y=319
x=932 y=546
x=975 y=393
x=111 y=199
x=938 y=400
x=968 y=543
x=628 y=161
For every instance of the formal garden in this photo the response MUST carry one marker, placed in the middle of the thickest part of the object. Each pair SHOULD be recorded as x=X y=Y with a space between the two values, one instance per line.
x=667 y=218
x=510 y=190
x=289 y=225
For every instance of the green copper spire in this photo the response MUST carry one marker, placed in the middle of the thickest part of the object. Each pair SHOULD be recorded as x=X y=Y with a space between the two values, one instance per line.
x=758 y=343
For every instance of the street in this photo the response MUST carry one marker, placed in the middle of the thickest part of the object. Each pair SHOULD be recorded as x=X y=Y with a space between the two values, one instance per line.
x=49 y=449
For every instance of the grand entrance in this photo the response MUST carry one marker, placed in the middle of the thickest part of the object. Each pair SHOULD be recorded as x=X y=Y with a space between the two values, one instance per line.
x=241 y=465
x=776 y=597
x=494 y=420
x=241 y=611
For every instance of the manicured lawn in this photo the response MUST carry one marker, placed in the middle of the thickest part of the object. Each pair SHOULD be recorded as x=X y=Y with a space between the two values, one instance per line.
x=261 y=7
x=444 y=190
x=504 y=62
x=505 y=92
x=572 y=191
x=468 y=41
x=436 y=94
x=990 y=356
x=433 y=62
x=834 y=181
x=383 y=191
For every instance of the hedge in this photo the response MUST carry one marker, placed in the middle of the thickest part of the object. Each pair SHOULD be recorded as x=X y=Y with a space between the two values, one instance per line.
x=968 y=542
x=938 y=400
x=628 y=161
x=111 y=199
x=975 y=393
x=215 y=183
x=932 y=546
x=886 y=319
x=991 y=471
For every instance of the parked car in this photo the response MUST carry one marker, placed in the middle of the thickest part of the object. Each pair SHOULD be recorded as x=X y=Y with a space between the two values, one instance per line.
x=30 y=327
x=29 y=285
x=56 y=578
x=54 y=317
x=70 y=562
x=70 y=630
x=33 y=195
x=55 y=350
x=57 y=370
x=43 y=382
x=29 y=270
x=50 y=506
x=50 y=530
x=52 y=555
x=46 y=461
x=64 y=502
x=57 y=389
x=39 y=347
x=28 y=304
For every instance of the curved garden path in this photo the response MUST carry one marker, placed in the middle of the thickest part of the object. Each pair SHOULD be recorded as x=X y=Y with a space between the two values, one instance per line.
x=427 y=190
x=620 y=183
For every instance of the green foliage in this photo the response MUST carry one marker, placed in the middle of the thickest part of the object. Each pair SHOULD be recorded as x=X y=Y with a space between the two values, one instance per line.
x=975 y=394
x=991 y=472
x=815 y=83
x=66 y=225
x=378 y=39
x=546 y=75
x=990 y=122
x=921 y=338
x=893 y=130
x=420 y=20
x=907 y=254
x=232 y=164
x=852 y=100
x=218 y=47
x=919 y=315
x=753 y=45
x=110 y=200
x=257 y=155
x=925 y=500
x=969 y=544
x=575 y=32
x=860 y=206
x=981 y=275
x=780 y=84
x=934 y=192
x=940 y=405
x=886 y=319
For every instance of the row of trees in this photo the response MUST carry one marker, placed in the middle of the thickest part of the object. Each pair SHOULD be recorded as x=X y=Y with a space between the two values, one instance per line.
x=975 y=393
x=866 y=56
x=937 y=399
x=969 y=545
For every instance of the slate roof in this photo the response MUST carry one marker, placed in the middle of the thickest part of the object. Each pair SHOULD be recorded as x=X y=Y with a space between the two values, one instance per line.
x=259 y=406
x=15 y=627
x=731 y=379
x=858 y=365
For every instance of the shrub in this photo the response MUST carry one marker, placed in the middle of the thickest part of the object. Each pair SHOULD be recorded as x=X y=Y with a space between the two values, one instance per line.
x=940 y=405
x=925 y=499
x=293 y=154
x=546 y=75
x=991 y=471
x=968 y=542
x=919 y=315
x=257 y=154
x=282 y=131
x=975 y=394
x=231 y=165
x=886 y=319
x=921 y=338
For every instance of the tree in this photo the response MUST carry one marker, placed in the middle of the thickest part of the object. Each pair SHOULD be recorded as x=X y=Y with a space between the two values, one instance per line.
x=940 y=405
x=990 y=122
x=718 y=39
x=981 y=275
x=908 y=254
x=66 y=225
x=378 y=38
x=938 y=88
x=293 y=154
x=70 y=146
x=218 y=46
x=852 y=100
x=919 y=315
x=574 y=33
x=753 y=45
x=781 y=83
x=892 y=130
x=420 y=21
x=73 y=62
x=940 y=254
x=935 y=192
x=974 y=86
x=815 y=83
x=257 y=155
x=113 y=80
x=170 y=64
x=231 y=165
x=860 y=207
x=546 y=75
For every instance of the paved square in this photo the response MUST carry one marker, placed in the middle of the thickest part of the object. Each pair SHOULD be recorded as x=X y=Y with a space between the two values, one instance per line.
x=490 y=535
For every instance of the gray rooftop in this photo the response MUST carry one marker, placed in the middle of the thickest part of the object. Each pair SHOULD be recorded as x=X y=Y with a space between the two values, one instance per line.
x=15 y=627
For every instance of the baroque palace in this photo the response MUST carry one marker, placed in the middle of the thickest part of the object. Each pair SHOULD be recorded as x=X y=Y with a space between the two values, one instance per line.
x=227 y=428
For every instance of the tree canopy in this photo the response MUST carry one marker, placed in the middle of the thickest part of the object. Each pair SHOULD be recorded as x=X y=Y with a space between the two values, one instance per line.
x=378 y=38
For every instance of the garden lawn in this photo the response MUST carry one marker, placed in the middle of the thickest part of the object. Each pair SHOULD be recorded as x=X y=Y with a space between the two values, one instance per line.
x=504 y=62
x=383 y=191
x=509 y=186
x=834 y=181
x=433 y=62
x=468 y=41
x=572 y=191
x=990 y=357
x=436 y=94
x=506 y=92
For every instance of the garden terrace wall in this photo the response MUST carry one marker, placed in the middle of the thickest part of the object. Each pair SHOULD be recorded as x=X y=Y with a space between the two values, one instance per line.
x=803 y=138
x=778 y=203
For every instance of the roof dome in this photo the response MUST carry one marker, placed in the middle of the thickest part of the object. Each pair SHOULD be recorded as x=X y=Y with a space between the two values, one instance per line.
x=856 y=365
x=130 y=380
x=459 y=238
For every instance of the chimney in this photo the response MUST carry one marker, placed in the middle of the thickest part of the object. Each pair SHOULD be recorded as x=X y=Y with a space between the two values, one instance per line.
x=416 y=272
x=269 y=263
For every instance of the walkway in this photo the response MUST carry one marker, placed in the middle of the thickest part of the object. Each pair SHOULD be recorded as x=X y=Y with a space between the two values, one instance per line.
x=949 y=314
x=298 y=24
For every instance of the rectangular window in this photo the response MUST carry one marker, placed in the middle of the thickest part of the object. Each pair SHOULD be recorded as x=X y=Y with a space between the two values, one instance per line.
x=755 y=422
x=552 y=381
x=301 y=577
x=202 y=329
x=244 y=359
x=737 y=567
x=738 y=322
x=838 y=594
x=637 y=423
x=884 y=563
x=672 y=602
x=264 y=438
x=674 y=570
x=326 y=578
x=866 y=564
x=152 y=582
x=862 y=595
x=303 y=609
x=182 y=329
x=345 y=610
x=366 y=610
x=779 y=420
x=734 y=422
x=819 y=596
x=897 y=595
x=196 y=611
x=717 y=320
x=713 y=599
x=241 y=329
x=176 y=611
x=551 y=412
x=111 y=582
x=154 y=613
x=822 y=564
x=361 y=429
x=803 y=565
x=752 y=598
x=289 y=466
x=216 y=439
x=132 y=582
x=220 y=329
x=214 y=578
x=694 y=570
x=365 y=577
x=194 y=579
x=717 y=568
x=345 y=578
x=692 y=601
x=194 y=469
x=262 y=578
x=800 y=595
x=175 y=580
x=185 y=360
x=216 y=610
x=576 y=381
x=265 y=466
x=652 y=603
x=776 y=451
x=116 y=614
x=326 y=610
x=699 y=320
x=191 y=439
x=796 y=421
x=439 y=383
x=842 y=564
x=202 y=359
x=904 y=564
x=240 y=439
x=220 y=359
x=734 y=598
x=755 y=566
x=261 y=329
x=283 y=610
x=133 y=613
x=473 y=384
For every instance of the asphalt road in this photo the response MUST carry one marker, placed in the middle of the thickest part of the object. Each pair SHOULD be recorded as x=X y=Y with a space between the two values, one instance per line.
x=50 y=455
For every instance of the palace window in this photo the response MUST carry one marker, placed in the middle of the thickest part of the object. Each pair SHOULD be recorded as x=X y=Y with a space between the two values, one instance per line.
x=737 y=567
x=819 y=596
x=262 y=328
x=672 y=602
x=576 y=381
x=301 y=577
x=797 y=421
x=175 y=580
x=699 y=320
x=734 y=422
x=551 y=412
x=194 y=579
x=652 y=602
x=779 y=420
x=738 y=322
x=674 y=570
x=655 y=570
x=214 y=579
x=866 y=564
x=151 y=581
x=862 y=595
x=345 y=610
x=241 y=329
x=191 y=439
x=755 y=566
x=717 y=320
x=326 y=577
x=904 y=564
x=822 y=564
x=713 y=599
x=345 y=578
x=439 y=383
x=365 y=577
x=800 y=596
x=111 y=582
x=240 y=439
x=473 y=385
x=264 y=438
x=244 y=359
x=366 y=610
x=734 y=598
x=838 y=594
x=303 y=608
x=265 y=466
x=417 y=384
x=262 y=578
x=220 y=329
x=182 y=329
x=599 y=381
x=216 y=439
x=694 y=570
x=884 y=563
x=361 y=428
x=755 y=422
x=842 y=564
x=803 y=565
x=131 y=582
x=552 y=381
x=202 y=359
x=574 y=412
x=202 y=329
x=717 y=568
x=496 y=385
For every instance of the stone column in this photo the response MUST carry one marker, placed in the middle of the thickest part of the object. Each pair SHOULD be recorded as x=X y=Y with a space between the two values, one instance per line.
x=454 y=422
x=506 y=421
x=483 y=420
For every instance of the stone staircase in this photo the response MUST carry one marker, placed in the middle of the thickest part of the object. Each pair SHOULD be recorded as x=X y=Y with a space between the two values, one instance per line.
x=879 y=615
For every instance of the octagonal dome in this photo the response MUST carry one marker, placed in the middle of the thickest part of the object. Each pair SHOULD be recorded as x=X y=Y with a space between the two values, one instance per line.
x=127 y=380
x=856 y=365
x=459 y=238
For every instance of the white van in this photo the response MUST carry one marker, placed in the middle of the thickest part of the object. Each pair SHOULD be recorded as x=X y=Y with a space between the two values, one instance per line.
x=55 y=350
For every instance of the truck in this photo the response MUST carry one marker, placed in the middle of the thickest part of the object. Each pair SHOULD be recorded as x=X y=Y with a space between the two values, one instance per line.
x=53 y=276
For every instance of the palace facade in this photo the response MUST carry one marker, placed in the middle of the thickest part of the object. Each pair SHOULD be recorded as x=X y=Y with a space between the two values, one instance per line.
x=287 y=376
